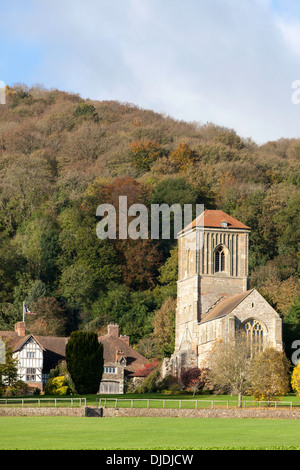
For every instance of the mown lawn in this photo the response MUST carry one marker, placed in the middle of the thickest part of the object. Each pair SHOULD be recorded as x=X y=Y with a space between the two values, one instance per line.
x=149 y=400
x=61 y=433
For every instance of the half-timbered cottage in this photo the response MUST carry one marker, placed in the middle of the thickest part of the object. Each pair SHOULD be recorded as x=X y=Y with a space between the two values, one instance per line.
x=37 y=355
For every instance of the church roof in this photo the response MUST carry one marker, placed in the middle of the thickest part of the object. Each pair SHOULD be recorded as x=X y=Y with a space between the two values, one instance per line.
x=217 y=219
x=225 y=306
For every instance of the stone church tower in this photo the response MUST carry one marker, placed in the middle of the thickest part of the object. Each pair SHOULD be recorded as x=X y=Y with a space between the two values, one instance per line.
x=213 y=296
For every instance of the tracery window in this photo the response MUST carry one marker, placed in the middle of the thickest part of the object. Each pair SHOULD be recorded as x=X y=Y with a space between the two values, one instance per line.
x=220 y=259
x=255 y=334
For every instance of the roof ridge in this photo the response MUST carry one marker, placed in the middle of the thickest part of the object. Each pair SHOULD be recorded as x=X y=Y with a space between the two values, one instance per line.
x=243 y=296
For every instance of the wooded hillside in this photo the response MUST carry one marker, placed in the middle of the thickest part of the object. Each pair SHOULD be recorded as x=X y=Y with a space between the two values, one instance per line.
x=62 y=156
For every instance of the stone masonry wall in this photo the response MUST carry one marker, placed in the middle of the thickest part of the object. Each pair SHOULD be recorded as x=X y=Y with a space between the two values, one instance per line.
x=152 y=413
x=43 y=411
x=203 y=413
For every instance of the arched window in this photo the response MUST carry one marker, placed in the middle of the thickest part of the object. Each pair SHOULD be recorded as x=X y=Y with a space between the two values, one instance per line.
x=255 y=335
x=220 y=259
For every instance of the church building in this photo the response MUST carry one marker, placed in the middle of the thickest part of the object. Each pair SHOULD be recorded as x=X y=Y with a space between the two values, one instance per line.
x=213 y=296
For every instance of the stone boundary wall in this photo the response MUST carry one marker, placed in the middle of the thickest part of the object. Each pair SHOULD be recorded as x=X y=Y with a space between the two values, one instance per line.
x=151 y=413
x=42 y=411
x=203 y=413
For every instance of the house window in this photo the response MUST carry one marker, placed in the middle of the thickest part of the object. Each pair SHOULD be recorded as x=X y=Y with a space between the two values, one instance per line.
x=31 y=374
x=110 y=370
x=45 y=378
x=255 y=333
x=30 y=354
x=220 y=259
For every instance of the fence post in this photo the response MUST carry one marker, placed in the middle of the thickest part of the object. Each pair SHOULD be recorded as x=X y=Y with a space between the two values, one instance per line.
x=147 y=403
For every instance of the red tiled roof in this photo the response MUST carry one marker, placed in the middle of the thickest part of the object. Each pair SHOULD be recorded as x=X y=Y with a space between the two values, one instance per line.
x=214 y=219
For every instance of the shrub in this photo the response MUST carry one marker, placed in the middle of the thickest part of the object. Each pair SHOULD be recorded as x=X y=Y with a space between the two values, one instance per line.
x=57 y=386
x=150 y=384
x=18 y=388
x=295 y=380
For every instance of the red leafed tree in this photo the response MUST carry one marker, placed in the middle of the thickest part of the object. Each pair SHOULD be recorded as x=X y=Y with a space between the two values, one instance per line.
x=193 y=379
x=147 y=369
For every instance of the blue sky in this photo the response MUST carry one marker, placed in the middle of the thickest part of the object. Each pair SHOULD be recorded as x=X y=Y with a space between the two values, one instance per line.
x=230 y=62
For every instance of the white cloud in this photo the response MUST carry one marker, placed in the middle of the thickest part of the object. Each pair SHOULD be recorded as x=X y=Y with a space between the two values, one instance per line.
x=225 y=61
x=291 y=35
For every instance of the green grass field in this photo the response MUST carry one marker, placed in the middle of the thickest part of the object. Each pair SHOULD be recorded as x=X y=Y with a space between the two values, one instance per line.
x=70 y=433
x=61 y=433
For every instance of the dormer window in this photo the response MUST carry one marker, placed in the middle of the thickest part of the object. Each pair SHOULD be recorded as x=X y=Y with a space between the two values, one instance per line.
x=220 y=259
x=224 y=224
x=123 y=362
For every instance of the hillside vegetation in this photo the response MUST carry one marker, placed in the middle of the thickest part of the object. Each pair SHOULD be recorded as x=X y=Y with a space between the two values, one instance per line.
x=62 y=156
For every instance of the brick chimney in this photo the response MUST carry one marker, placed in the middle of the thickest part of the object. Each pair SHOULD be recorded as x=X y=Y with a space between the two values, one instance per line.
x=113 y=330
x=125 y=338
x=20 y=328
x=119 y=355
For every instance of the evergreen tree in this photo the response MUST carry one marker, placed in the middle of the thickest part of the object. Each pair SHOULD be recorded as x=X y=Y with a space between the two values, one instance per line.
x=84 y=357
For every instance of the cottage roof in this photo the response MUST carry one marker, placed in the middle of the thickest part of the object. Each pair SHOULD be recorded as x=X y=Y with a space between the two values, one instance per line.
x=112 y=344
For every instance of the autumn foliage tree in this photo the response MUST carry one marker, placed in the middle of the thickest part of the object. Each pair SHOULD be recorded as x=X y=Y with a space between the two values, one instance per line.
x=229 y=367
x=164 y=328
x=62 y=156
x=193 y=379
x=49 y=318
x=295 y=379
x=270 y=375
x=183 y=156
x=144 y=153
